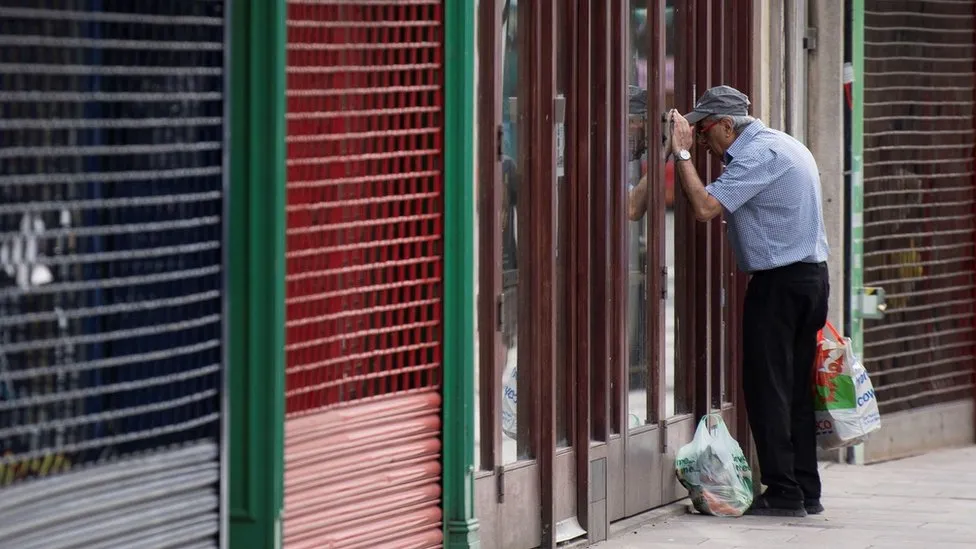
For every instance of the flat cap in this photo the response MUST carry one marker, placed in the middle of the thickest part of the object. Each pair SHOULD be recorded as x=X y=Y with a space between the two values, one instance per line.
x=720 y=100
x=637 y=100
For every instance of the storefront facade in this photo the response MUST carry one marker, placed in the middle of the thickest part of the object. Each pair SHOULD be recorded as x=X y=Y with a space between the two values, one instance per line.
x=603 y=335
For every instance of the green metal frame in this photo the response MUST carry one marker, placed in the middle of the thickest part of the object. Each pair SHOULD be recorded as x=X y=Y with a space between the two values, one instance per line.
x=856 y=454
x=460 y=526
x=256 y=289
x=857 y=177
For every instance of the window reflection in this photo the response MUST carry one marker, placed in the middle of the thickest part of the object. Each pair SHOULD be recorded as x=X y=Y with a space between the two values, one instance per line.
x=562 y=192
x=639 y=350
x=511 y=449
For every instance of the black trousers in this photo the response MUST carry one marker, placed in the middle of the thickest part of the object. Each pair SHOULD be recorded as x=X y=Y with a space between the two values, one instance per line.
x=784 y=309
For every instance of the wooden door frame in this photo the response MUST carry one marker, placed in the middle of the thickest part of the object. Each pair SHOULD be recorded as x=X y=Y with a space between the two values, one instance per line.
x=705 y=272
x=596 y=277
x=540 y=332
x=519 y=483
x=616 y=447
x=581 y=180
x=638 y=475
x=702 y=29
x=601 y=294
x=489 y=177
x=537 y=271
x=742 y=78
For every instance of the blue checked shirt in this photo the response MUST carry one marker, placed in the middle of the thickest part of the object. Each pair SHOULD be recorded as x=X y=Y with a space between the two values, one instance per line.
x=771 y=194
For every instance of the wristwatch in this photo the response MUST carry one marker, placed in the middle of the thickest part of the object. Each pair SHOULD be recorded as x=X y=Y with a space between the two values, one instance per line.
x=683 y=154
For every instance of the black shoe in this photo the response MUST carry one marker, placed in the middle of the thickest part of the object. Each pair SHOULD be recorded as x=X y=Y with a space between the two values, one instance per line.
x=813 y=506
x=774 y=507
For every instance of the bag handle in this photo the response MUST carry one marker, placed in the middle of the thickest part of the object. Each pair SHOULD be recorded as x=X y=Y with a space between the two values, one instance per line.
x=833 y=332
x=819 y=356
x=719 y=421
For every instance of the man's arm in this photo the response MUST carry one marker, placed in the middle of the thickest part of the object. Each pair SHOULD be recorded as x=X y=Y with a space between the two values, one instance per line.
x=637 y=200
x=705 y=206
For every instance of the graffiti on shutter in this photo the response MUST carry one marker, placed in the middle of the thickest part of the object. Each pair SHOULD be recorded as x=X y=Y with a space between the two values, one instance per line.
x=111 y=201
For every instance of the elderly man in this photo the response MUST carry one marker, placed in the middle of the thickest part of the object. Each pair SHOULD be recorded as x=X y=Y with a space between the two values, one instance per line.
x=770 y=194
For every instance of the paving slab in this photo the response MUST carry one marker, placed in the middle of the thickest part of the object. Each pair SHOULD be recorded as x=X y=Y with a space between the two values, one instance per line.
x=924 y=502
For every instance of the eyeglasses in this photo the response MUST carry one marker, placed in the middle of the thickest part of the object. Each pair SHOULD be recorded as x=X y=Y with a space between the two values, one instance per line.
x=702 y=132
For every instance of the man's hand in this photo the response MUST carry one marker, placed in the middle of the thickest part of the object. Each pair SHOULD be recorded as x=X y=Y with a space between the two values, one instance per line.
x=682 y=135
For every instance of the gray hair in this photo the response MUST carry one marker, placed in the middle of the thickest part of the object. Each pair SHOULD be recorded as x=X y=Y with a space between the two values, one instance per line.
x=739 y=123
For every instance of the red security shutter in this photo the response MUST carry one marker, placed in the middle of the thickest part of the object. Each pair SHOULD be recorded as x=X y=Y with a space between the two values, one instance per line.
x=364 y=264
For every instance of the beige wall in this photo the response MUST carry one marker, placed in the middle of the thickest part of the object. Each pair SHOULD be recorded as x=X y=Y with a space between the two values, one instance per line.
x=804 y=88
x=800 y=91
x=825 y=127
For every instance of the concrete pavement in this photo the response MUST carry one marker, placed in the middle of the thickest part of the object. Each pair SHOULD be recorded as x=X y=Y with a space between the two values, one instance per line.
x=922 y=502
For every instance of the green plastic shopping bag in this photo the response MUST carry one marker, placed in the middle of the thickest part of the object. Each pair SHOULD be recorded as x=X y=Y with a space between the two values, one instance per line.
x=714 y=470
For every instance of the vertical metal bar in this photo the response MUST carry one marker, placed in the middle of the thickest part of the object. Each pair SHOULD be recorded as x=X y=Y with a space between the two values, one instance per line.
x=656 y=232
x=568 y=344
x=743 y=82
x=526 y=116
x=580 y=91
x=600 y=242
x=683 y=217
x=857 y=186
x=702 y=250
x=715 y=228
x=543 y=297
x=775 y=60
x=618 y=229
x=731 y=289
x=731 y=294
x=489 y=241
x=256 y=287
x=730 y=43
x=458 y=352
x=848 y=118
x=855 y=260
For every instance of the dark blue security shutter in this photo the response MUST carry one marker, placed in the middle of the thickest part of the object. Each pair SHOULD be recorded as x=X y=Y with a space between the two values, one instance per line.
x=111 y=269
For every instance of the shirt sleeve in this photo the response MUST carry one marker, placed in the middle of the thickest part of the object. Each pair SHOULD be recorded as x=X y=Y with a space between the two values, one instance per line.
x=744 y=178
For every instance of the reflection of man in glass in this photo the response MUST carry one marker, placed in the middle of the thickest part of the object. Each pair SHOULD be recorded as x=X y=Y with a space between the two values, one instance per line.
x=509 y=77
x=510 y=179
x=637 y=76
x=509 y=249
x=509 y=310
x=509 y=215
x=636 y=140
x=509 y=229
x=636 y=241
x=637 y=182
x=771 y=197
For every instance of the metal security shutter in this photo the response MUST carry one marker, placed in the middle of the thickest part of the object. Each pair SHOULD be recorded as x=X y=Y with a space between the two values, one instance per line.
x=919 y=200
x=111 y=199
x=364 y=263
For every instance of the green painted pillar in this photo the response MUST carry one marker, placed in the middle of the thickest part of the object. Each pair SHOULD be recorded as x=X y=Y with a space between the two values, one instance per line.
x=857 y=176
x=856 y=258
x=256 y=287
x=460 y=525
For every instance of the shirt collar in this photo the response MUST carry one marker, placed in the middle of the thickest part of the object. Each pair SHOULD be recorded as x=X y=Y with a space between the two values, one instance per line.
x=742 y=140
